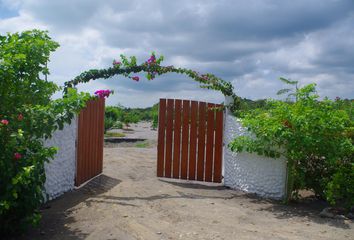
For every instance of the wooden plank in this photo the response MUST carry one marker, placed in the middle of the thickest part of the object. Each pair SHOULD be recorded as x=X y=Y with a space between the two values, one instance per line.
x=201 y=141
x=209 y=143
x=79 y=150
x=177 y=138
x=193 y=140
x=161 y=138
x=101 y=134
x=84 y=142
x=94 y=147
x=85 y=137
x=218 y=146
x=168 y=157
x=89 y=172
x=87 y=140
x=185 y=139
x=98 y=113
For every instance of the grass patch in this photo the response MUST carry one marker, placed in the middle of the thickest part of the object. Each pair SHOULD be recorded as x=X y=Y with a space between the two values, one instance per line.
x=142 y=145
x=114 y=134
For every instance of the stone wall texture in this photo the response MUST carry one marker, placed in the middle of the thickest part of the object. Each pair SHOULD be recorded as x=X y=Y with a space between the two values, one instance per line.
x=60 y=171
x=250 y=172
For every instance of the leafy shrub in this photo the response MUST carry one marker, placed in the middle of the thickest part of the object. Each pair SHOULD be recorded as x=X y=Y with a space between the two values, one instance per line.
x=340 y=188
x=27 y=117
x=23 y=59
x=113 y=117
x=118 y=125
x=118 y=115
x=315 y=136
x=129 y=118
x=155 y=119
x=108 y=123
x=114 y=113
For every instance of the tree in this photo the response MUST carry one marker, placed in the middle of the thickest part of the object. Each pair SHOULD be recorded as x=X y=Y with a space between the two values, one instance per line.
x=292 y=92
x=130 y=117
x=113 y=115
x=27 y=117
x=24 y=57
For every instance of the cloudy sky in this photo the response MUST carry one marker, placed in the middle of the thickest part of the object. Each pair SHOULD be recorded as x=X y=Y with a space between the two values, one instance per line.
x=248 y=42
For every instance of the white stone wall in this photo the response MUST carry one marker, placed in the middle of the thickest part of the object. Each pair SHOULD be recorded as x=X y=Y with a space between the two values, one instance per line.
x=250 y=172
x=60 y=171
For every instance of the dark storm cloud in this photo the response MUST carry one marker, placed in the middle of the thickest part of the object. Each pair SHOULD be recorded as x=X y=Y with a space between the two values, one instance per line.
x=273 y=19
x=250 y=43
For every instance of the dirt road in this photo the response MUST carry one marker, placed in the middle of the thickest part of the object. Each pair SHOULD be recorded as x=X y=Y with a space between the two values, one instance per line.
x=129 y=202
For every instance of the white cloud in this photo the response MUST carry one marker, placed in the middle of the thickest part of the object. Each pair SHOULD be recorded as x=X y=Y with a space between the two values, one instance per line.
x=250 y=43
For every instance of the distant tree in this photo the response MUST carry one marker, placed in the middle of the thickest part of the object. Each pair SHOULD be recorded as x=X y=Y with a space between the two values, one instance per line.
x=113 y=115
x=291 y=91
x=129 y=118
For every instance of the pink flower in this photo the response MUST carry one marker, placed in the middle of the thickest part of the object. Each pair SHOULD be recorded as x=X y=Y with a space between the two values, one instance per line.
x=103 y=93
x=152 y=59
x=135 y=78
x=20 y=117
x=4 y=122
x=116 y=63
x=17 y=156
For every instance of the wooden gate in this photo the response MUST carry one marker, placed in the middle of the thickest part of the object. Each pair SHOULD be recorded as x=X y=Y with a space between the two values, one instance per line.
x=89 y=160
x=190 y=140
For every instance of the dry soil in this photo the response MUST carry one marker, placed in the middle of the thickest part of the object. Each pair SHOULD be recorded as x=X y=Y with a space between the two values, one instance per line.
x=129 y=202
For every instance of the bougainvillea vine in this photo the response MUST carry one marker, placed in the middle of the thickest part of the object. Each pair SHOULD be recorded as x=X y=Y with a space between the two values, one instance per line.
x=152 y=67
x=103 y=93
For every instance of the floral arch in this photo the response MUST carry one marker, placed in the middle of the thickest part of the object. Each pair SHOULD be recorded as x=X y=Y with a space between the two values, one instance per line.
x=152 y=67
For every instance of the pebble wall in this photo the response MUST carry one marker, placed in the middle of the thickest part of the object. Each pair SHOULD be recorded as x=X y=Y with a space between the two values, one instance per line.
x=250 y=172
x=60 y=171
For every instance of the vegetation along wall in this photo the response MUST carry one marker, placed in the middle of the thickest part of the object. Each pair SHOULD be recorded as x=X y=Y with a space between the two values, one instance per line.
x=250 y=172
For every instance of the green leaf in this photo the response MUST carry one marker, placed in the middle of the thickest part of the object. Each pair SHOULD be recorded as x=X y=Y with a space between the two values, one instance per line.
x=288 y=81
x=282 y=91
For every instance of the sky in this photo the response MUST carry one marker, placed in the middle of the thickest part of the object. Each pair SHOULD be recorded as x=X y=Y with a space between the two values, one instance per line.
x=250 y=43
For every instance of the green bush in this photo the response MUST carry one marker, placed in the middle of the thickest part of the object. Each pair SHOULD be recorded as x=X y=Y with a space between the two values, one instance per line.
x=118 y=125
x=27 y=117
x=108 y=123
x=155 y=119
x=113 y=117
x=117 y=115
x=315 y=136
x=129 y=118
x=340 y=188
x=114 y=113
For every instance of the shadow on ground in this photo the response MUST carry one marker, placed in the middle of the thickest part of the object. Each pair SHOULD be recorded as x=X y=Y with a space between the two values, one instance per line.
x=56 y=214
x=307 y=208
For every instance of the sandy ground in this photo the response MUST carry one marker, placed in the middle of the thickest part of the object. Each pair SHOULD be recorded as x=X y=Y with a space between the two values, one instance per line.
x=128 y=202
x=141 y=131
